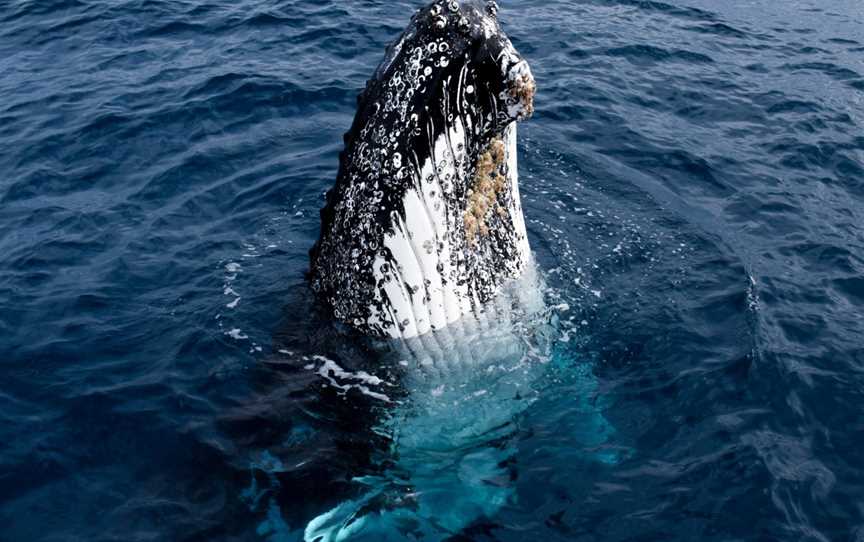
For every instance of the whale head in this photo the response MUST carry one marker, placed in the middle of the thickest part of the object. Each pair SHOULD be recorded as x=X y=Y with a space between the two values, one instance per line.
x=467 y=34
x=424 y=224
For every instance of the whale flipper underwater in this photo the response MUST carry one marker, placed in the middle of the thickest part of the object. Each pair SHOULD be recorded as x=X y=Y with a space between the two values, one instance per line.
x=424 y=249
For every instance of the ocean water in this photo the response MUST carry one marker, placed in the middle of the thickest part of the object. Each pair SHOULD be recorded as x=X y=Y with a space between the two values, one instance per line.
x=693 y=182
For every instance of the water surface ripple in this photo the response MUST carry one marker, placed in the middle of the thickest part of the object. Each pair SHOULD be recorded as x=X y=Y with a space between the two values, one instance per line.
x=693 y=182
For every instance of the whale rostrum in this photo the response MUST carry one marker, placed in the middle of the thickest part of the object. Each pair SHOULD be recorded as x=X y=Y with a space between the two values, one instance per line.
x=424 y=225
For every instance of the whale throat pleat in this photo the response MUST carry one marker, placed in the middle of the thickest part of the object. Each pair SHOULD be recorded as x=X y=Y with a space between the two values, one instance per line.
x=425 y=285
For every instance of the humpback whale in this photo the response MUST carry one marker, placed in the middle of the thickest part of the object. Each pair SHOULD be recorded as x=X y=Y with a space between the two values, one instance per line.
x=424 y=224
x=424 y=249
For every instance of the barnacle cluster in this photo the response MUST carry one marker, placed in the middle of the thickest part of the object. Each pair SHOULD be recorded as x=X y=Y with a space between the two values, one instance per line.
x=523 y=88
x=490 y=180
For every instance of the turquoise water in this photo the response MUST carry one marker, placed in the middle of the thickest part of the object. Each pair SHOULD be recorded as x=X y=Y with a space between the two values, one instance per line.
x=692 y=181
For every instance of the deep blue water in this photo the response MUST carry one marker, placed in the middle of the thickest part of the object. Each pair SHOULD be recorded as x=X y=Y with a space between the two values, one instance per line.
x=694 y=187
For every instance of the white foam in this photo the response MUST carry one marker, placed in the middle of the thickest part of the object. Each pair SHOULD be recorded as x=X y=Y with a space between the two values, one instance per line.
x=331 y=371
x=237 y=335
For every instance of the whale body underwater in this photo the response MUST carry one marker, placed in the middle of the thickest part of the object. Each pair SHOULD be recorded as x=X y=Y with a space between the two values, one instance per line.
x=424 y=250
